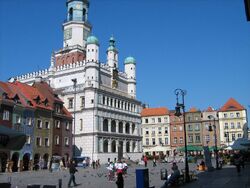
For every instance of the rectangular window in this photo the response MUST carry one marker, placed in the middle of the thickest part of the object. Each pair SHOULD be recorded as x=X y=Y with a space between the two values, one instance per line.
x=159 y=130
x=174 y=128
x=147 y=141
x=207 y=138
x=175 y=140
x=231 y=115
x=207 y=126
x=225 y=115
x=190 y=127
x=160 y=141
x=153 y=120
x=70 y=103
x=166 y=140
x=57 y=140
x=46 y=142
x=226 y=126
x=146 y=132
x=38 y=141
x=66 y=141
x=6 y=115
x=18 y=119
x=153 y=141
x=238 y=125
x=233 y=137
x=28 y=139
x=232 y=125
x=39 y=124
x=153 y=131
x=146 y=120
x=47 y=126
x=165 y=119
x=197 y=127
x=239 y=135
x=29 y=121
x=58 y=109
x=237 y=114
x=166 y=130
x=81 y=125
x=159 y=120
x=67 y=125
x=181 y=128
x=190 y=138
x=181 y=140
x=197 y=138
x=57 y=124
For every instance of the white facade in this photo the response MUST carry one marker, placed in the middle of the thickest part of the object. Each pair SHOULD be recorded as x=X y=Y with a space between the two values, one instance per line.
x=107 y=116
x=156 y=134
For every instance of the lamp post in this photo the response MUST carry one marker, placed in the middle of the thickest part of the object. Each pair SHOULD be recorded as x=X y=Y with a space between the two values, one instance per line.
x=179 y=106
x=74 y=138
x=215 y=140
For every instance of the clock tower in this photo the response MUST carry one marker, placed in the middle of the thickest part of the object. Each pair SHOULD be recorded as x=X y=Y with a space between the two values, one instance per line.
x=76 y=30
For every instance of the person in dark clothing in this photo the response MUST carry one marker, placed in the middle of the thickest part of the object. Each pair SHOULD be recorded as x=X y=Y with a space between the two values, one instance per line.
x=72 y=171
x=120 y=181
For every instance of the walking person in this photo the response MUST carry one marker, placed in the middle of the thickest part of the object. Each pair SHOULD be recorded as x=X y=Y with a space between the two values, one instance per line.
x=145 y=159
x=237 y=162
x=120 y=181
x=72 y=171
x=154 y=162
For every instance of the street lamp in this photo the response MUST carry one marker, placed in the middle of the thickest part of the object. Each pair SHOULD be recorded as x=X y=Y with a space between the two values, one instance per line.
x=215 y=139
x=179 y=106
x=74 y=132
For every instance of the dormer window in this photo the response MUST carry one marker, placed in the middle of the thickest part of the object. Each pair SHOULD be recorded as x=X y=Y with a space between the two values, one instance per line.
x=16 y=99
x=46 y=102
x=29 y=103
x=58 y=108
x=37 y=100
x=5 y=96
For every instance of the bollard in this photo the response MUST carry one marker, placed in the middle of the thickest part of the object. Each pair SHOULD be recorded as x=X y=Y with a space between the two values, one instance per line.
x=60 y=183
x=142 y=179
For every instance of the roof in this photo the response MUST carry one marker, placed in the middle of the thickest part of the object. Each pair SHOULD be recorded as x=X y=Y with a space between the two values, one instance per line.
x=92 y=40
x=209 y=109
x=193 y=109
x=232 y=105
x=129 y=60
x=154 y=112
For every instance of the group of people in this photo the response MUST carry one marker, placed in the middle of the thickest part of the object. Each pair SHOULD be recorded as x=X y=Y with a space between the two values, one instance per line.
x=117 y=169
x=172 y=178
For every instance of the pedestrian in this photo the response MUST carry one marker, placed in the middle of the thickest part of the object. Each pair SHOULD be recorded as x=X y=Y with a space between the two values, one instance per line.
x=237 y=162
x=72 y=171
x=154 y=162
x=145 y=159
x=120 y=181
x=173 y=177
x=93 y=164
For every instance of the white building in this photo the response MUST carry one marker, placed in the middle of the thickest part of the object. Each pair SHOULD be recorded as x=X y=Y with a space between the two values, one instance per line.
x=156 y=131
x=107 y=114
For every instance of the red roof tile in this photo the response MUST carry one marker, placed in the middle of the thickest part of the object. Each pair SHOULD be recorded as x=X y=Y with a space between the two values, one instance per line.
x=209 y=109
x=193 y=109
x=232 y=105
x=154 y=111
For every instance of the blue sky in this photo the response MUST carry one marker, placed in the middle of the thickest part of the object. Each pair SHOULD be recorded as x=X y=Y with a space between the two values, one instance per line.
x=202 y=46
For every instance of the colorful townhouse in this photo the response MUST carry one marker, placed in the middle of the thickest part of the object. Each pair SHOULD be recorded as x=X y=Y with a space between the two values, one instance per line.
x=156 y=131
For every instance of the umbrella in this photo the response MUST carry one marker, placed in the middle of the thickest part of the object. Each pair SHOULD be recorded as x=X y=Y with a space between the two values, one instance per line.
x=212 y=148
x=11 y=139
x=190 y=148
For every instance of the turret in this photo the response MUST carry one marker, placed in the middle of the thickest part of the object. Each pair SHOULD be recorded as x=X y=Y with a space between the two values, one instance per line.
x=76 y=27
x=130 y=68
x=92 y=49
x=92 y=62
x=112 y=54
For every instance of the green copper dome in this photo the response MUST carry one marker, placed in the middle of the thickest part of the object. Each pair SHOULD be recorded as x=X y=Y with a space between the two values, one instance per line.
x=129 y=60
x=112 y=45
x=92 y=40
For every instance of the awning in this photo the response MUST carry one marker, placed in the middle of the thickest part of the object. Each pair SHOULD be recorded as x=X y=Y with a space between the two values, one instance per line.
x=190 y=148
x=11 y=139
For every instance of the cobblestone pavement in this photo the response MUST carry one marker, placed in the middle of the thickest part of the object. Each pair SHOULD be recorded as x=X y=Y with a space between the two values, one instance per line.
x=97 y=178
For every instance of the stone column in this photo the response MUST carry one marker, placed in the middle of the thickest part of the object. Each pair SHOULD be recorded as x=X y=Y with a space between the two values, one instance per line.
x=116 y=126
x=131 y=146
x=109 y=125
x=124 y=146
x=100 y=124
x=96 y=144
x=124 y=126
x=101 y=145
x=130 y=128
x=109 y=145
x=116 y=146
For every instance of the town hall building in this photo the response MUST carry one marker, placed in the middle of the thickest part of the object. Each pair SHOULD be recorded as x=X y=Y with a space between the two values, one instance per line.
x=101 y=98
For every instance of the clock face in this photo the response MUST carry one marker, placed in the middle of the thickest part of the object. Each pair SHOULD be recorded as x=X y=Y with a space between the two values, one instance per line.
x=67 y=34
